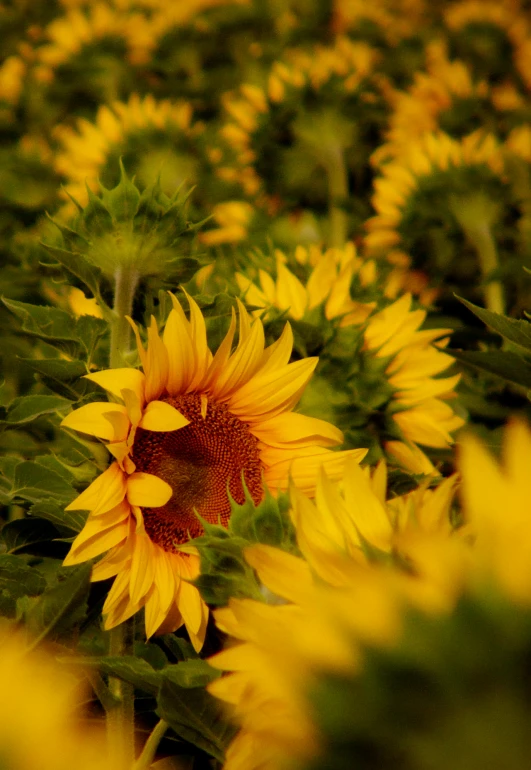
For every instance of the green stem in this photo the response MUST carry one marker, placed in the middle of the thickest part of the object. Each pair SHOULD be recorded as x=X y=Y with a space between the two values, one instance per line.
x=125 y=285
x=337 y=195
x=120 y=720
x=476 y=213
x=148 y=753
x=481 y=238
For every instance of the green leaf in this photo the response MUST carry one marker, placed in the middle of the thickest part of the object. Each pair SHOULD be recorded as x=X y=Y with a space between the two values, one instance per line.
x=503 y=363
x=511 y=329
x=26 y=408
x=24 y=533
x=63 y=605
x=47 y=323
x=73 y=521
x=35 y=483
x=89 y=331
x=77 y=265
x=142 y=675
x=191 y=673
x=17 y=580
x=136 y=671
x=57 y=368
x=196 y=716
x=60 y=376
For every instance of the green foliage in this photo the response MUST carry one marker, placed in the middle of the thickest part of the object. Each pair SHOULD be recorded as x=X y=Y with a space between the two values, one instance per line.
x=196 y=717
x=126 y=229
x=62 y=606
x=224 y=570
x=513 y=362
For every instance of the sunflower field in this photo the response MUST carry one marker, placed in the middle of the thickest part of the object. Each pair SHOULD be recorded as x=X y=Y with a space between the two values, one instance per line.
x=266 y=370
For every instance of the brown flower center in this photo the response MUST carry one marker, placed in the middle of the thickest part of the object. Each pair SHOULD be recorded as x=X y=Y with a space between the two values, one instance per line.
x=200 y=462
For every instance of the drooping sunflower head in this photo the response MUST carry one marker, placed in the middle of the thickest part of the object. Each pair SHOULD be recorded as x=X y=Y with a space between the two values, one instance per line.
x=187 y=432
x=429 y=197
x=280 y=140
x=82 y=60
x=487 y=35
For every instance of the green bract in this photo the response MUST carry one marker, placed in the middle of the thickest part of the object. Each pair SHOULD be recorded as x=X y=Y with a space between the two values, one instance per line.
x=124 y=228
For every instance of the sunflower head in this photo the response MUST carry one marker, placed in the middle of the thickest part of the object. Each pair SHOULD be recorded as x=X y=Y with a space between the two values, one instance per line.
x=129 y=229
x=190 y=433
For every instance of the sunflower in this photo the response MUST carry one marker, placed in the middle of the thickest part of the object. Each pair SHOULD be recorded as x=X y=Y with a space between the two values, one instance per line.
x=417 y=409
x=310 y=149
x=340 y=280
x=445 y=96
x=489 y=35
x=40 y=712
x=154 y=135
x=191 y=429
x=438 y=202
x=334 y=598
x=314 y=680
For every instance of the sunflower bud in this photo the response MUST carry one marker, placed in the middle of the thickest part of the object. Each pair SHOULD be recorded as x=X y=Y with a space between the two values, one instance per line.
x=143 y=231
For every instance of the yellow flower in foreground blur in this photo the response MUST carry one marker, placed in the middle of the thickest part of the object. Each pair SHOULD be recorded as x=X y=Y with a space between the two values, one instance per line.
x=418 y=405
x=40 y=715
x=282 y=655
x=337 y=598
x=496 y=499
x=190 y=427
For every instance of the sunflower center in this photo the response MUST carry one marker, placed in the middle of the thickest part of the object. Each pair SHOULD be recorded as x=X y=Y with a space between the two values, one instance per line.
x=200 y=462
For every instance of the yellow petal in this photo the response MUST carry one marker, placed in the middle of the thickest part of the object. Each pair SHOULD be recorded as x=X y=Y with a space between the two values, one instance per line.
x=142 y=569
x=156 y=366
x=100 y=419
x=285 y=575
x=114 y=380
x=272 y=392
x=87 y=546
x=181 y=357
x=243 y=364
x=293 y=428
x=304 y=469
x=291 y=293
x=161 y=416
x=105 y=492
x=147 y=491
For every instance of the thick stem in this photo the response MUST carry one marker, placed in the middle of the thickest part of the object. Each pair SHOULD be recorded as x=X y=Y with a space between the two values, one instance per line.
x=475 y=215
x=120 y=720
x=148 y=753
x=125 y=284
x=488 y=259
x=337 y=195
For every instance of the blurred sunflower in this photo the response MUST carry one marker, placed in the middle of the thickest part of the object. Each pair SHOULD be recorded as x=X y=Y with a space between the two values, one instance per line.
x=300 y=139
x=193 y=428
x=151 y=136
x=339 y=594
x=82 y=58
x=408 y=393
x=41 y=720
x=445 y=97
x=439 y=201
x=312 y=681
x=488 y=35
x=345 y=284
